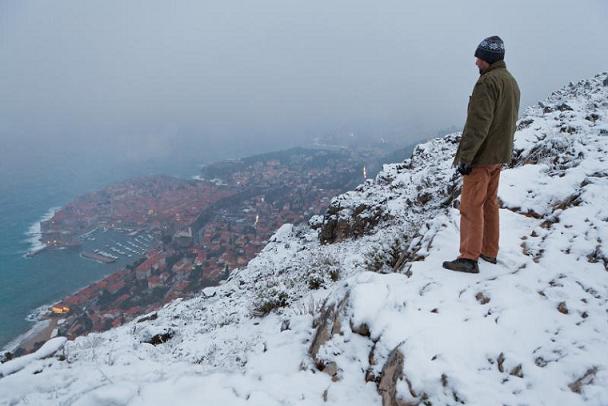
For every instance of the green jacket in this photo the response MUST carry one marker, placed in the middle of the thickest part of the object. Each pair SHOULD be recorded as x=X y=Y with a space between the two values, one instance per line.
x=487 y=137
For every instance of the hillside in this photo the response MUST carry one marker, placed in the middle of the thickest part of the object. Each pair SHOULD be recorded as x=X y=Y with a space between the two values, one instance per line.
x=355 y=309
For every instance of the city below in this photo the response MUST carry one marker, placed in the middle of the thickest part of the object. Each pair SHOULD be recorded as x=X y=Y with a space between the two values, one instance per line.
x=177 y=236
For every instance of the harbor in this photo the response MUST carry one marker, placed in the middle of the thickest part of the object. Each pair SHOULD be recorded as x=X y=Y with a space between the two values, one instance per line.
x=107 y=246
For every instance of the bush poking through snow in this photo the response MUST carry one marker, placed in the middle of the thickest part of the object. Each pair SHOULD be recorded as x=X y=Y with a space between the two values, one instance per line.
x=323 y=271
x=312 y=307
x=315 y=281
x=269 y=299
x=383 y=259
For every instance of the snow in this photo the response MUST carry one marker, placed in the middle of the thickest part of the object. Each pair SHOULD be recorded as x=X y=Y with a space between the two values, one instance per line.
x=530 y=330
x=46 y=350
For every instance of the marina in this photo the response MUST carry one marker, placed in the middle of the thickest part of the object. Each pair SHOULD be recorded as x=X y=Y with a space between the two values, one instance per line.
x=106 y=246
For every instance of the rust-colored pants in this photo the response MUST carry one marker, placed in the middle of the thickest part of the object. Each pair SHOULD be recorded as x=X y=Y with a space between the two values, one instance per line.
x=479 y=212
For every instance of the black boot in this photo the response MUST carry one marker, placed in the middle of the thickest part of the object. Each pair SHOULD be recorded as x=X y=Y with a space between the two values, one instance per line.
x=462 y=265
x=486 y=258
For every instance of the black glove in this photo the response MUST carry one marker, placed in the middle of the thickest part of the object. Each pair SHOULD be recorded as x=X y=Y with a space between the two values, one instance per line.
x=464 y=169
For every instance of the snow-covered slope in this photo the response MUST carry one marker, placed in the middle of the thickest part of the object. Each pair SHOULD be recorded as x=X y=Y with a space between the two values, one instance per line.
x=355 y=309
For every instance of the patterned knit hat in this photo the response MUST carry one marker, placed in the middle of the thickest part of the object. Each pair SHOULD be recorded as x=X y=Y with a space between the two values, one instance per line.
x=491 y=50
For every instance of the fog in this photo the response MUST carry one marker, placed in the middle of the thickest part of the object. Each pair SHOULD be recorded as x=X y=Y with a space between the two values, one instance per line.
x=161 y=79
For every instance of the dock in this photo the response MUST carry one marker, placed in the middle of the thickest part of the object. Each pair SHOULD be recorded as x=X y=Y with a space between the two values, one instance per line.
x=97 y=257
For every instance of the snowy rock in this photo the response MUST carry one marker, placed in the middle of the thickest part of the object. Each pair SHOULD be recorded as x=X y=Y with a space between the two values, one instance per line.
x=48 y=349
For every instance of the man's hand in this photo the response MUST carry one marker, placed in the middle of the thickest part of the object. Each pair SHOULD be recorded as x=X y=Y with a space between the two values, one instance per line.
x=464 y=169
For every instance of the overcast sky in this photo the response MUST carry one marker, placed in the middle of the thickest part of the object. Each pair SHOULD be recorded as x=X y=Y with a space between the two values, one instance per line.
x=152 y=78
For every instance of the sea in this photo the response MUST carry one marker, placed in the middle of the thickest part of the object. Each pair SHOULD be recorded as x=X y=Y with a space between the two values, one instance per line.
x=30 y=193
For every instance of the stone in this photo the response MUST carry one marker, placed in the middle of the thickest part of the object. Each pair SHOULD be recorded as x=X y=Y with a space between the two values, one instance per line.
x=362 y=329
x=285 y=325
x=327 y=324
x=482 y=298
x=517 y=371
x=586 y=379
x=391 y=372
x=153 y=316
x=160 y=338
x=500 y=362
x=331 y=368
x=564 y=107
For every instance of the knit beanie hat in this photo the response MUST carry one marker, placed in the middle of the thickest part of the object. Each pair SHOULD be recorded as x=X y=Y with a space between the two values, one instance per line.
x=491 y=50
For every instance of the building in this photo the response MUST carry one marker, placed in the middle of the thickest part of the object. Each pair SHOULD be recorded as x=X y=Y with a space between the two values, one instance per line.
x=182 y=269
x=183 y=238
x=154 y=282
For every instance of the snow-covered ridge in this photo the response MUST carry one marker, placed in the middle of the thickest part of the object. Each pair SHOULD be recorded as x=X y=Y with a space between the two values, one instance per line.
x=355 y=307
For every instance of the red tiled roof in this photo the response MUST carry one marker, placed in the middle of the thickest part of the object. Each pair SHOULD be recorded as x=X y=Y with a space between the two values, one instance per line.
x=153 y=258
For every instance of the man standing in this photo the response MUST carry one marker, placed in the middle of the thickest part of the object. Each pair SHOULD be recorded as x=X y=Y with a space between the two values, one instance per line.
x=486 y=144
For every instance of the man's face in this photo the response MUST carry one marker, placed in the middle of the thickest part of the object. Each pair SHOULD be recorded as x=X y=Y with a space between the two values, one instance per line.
x=482 y=65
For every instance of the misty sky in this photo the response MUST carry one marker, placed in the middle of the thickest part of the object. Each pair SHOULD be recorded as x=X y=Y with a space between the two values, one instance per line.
x=141 y=79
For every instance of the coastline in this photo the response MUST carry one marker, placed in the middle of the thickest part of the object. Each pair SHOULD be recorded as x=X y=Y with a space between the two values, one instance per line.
x=42 y=327
x=44 y=324
x=24 y=281
x=40 y=331
x=34 y=233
